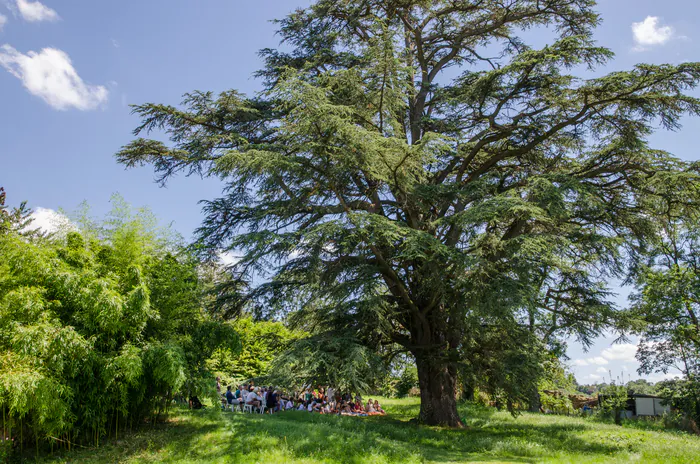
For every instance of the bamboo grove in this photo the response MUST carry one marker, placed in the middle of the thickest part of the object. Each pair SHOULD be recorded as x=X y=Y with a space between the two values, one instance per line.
x=101 y=326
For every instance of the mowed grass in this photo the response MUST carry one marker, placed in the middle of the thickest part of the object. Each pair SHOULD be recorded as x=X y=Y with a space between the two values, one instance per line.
x=213 y=436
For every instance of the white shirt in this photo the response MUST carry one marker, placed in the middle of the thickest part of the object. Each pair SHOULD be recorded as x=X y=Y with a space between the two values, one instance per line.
x=300 y=408
x=289 y=405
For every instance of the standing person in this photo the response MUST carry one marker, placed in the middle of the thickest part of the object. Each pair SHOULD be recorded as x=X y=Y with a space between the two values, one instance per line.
x=272 y=401
x=218 y=385
x=330 y=394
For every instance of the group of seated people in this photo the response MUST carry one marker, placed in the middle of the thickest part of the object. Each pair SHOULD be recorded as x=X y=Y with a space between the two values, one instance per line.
x=322 y=401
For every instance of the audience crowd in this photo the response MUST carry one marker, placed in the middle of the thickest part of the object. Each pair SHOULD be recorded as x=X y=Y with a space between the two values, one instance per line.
x=319 y=400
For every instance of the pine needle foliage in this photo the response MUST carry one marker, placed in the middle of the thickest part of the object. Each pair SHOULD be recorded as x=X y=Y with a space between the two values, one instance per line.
x=414 y=209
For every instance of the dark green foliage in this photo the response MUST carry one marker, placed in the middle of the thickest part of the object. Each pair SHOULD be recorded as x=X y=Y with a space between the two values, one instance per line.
x=99 y=329
x=261 y=342
x=682 y=395
x=342 y=363
x=417 y=213
x=665 y=308
x=642 y=387
x=407 y=381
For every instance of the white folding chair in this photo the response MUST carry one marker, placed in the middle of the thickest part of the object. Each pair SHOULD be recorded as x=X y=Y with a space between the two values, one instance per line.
x=248 y=408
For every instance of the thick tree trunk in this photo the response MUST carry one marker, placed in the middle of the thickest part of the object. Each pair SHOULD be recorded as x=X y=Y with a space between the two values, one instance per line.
x=438 y=388
x=535 y=401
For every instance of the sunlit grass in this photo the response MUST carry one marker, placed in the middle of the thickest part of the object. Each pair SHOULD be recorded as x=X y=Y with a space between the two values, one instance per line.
x=212 y=436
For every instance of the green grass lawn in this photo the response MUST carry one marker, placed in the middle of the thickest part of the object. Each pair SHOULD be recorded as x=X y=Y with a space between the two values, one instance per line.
x=213 y=436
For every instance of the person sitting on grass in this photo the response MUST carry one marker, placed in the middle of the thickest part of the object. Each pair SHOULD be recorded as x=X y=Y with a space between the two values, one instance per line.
x=195 y=403
x=369 y=409
x=378 y=408
x=345 y=409
x=357 y=407
x=289 y=405
x=302 y=406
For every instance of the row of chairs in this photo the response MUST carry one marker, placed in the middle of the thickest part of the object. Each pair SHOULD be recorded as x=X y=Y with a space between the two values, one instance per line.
x=249 y=408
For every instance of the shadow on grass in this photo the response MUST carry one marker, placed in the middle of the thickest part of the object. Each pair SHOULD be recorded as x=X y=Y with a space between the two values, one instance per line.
x=215 y=436
x=387 y=439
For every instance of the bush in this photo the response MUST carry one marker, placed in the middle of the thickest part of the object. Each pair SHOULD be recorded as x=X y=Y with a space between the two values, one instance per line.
x=408 y=383
x=614 y=401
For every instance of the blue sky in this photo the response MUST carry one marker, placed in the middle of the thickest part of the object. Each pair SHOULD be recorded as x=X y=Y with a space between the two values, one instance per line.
x=68 y=71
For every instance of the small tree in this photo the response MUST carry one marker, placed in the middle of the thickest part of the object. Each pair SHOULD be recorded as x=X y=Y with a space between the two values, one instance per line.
x=614 y=401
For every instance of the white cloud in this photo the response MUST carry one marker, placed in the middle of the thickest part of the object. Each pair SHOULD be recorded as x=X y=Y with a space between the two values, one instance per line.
x=3 y=21
x=228 y=259
x=50 y=221
x=601 y=370
x=593 y=377
x=115 y=43
x=594 y=361
x=661 y=376
x=36 y=11
x=623 y=352
x=50 y=75
x=648 y=33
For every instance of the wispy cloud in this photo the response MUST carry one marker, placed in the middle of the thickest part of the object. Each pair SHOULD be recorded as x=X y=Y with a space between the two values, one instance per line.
x=3 y=21
x=592 y=361
x=36 y=11
x=623 y=352
x=650 y=32
x=49 y=74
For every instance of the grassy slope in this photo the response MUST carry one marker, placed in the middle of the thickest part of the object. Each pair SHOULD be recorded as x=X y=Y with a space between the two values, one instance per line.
x=299 y=437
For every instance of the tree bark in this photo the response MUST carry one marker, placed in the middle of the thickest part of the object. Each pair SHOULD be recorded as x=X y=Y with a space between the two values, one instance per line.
x=535 y=401
x=438 y=388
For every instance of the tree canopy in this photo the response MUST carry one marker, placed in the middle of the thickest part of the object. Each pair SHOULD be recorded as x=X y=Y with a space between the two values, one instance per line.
x=415 y=177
